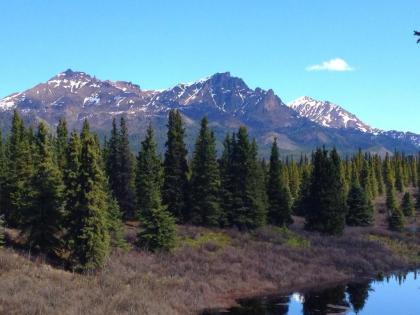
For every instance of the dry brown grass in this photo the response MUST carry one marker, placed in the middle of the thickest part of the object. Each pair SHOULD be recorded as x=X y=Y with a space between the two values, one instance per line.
x=209 y=268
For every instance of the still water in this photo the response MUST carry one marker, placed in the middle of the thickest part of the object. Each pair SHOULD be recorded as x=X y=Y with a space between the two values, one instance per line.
x=398 y=294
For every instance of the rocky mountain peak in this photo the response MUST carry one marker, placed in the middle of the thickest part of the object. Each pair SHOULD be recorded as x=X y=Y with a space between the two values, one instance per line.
x=328 y=114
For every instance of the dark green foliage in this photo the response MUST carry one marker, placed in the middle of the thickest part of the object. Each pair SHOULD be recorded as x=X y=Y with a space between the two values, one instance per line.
x=17 y=187
x=158 y=227
x=119 y=168
x=325 y=206
x=365 y=179
x=175 y=183
x=149 y=172
x=91 y=239
x=61 y=142
x=112 y=159
x=396 y=220
x=395 y=215
x=41 y=221
x=226 y=179
x=72 y=190
x=399 y=176
x=2 y=171
x=115 y=225
x=294 y=179
x=158 y=230
x=125 y=192
x=279 y=197
x=204 y=203
x=407 y=205
x=360 y=209
x=299 y=205
x=243 y=183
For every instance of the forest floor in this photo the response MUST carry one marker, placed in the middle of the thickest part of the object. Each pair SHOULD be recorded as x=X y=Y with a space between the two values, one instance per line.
x=209 y=268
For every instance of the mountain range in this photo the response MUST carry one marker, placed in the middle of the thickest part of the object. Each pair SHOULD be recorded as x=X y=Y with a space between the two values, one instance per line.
x=226 y=100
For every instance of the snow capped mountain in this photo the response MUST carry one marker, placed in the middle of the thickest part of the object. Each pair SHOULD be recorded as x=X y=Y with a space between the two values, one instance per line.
x=226 y=100
x=331 y=115
x=328 y=114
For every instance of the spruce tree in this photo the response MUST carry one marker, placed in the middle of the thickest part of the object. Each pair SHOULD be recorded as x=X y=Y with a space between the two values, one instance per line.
x=175 y=183
x=112 y=161
x=279 y=197
x=260 y=215
x=304 y=191
x=407 y=205
x=360 y=209
x=149 y=171
x=157 y=225
x=61 y=142
x=71 y=173
x=115 y=224
x=226 y=179
x=17 y=187
x=246 y=206
x=395 y=215
x=119 y=168
x=125 y=192
x=325 y=205
x=205 y=206
x=399 y=176
x=42 y=220
x=2 y=170
x=294 y=179
x=90 y=239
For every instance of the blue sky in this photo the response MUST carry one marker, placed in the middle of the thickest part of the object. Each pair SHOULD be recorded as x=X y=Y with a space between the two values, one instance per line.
x=270 y=44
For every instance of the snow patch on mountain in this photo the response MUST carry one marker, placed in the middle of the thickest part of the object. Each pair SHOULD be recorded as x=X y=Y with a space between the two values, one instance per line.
x=329 y=114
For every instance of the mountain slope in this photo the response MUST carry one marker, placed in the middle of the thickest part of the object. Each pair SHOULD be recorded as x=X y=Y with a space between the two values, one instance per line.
x=328 y=114
x=332 y=115
x=226 y=100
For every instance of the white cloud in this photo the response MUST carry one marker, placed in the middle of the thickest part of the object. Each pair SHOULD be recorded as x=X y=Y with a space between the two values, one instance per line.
x=336 y=64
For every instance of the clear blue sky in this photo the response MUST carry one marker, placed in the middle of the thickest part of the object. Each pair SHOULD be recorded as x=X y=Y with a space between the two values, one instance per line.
x=270 y=44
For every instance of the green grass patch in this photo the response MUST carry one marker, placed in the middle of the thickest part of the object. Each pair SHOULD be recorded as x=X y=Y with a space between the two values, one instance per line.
x=282 y=236
x=217 y=239
x=411 y=251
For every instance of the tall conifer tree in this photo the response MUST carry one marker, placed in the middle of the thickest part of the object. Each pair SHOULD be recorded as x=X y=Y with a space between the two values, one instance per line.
x=119 y=168
x=157 y=224
x=246 y=207
x=395 y=215
x=279 y=197
x=91 y=237
x=205 y=180
x=125 y=192
x=407 y=205
x=61 y=142
x=325 y=205
x=17 y=188
x=149 y=174
x=175 y=168
x=42 y=220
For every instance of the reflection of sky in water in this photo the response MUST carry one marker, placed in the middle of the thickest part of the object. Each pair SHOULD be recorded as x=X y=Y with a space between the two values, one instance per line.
x=386 y=297
x=391 y=296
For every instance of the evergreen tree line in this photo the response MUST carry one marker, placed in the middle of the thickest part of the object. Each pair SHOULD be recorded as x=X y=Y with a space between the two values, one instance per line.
x=68 y=194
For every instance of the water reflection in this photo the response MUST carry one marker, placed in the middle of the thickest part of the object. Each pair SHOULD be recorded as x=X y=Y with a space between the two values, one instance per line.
x=368 y=297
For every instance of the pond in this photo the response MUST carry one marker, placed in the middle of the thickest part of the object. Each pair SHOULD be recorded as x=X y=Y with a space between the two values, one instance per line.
x=395 y=294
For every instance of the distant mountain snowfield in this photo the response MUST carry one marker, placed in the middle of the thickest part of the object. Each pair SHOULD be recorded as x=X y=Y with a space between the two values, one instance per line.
x=328 y=114
x=332 y=115
x=226 y=100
